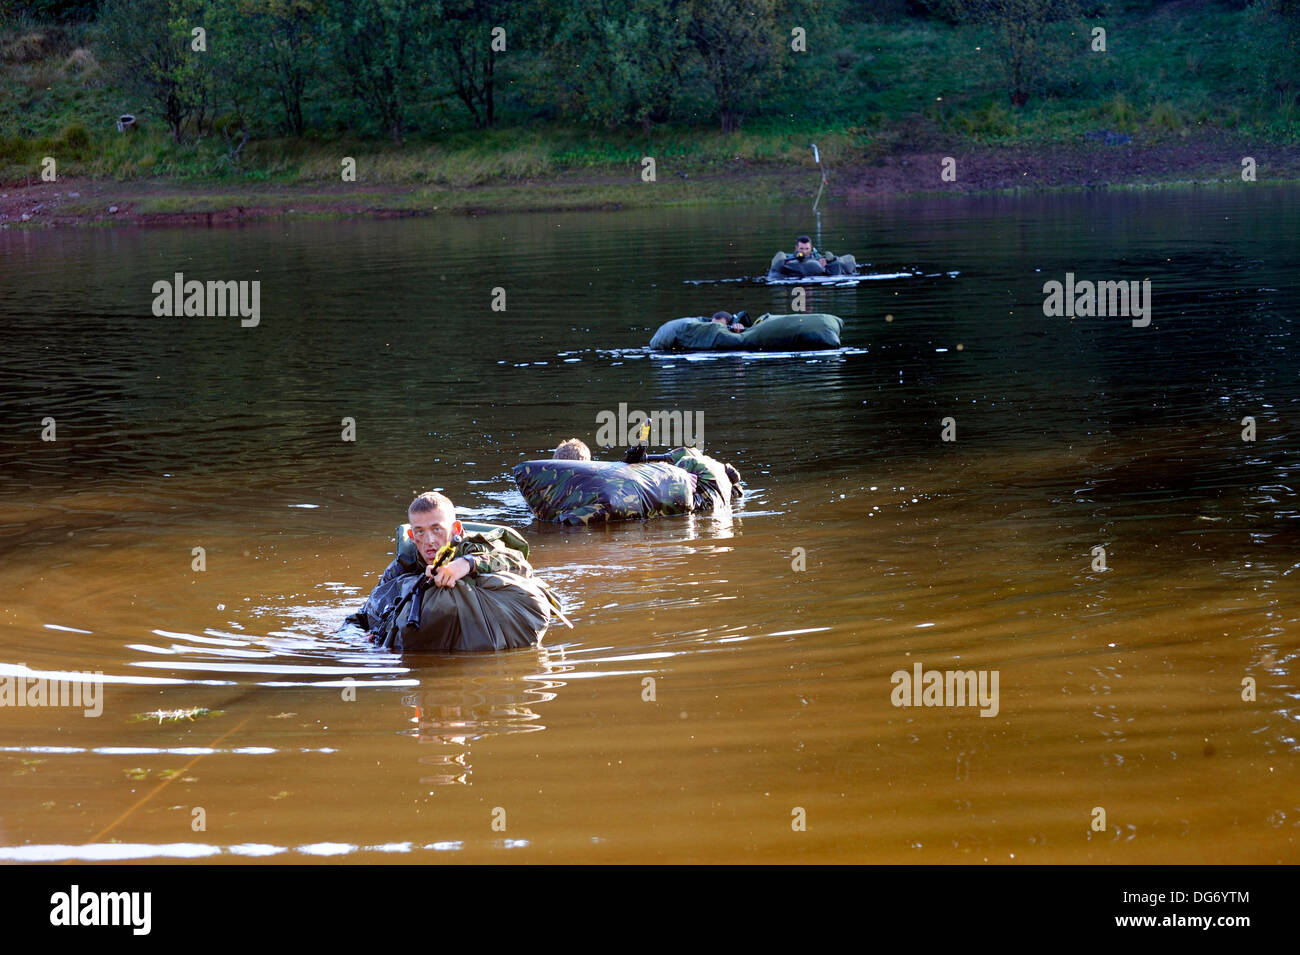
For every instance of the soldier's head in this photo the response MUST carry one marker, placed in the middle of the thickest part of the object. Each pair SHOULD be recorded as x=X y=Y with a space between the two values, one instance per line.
x=433 y=523
x=803 y=246
x=722 y=318
x=573 y=450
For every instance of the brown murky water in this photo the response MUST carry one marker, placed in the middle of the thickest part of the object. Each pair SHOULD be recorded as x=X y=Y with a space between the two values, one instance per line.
x=727 y=692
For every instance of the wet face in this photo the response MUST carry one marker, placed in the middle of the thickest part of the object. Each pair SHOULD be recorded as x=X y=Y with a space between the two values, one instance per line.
x=431 y=531
x=803 y=248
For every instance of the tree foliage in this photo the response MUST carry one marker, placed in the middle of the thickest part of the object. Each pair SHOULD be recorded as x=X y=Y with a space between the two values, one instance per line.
x=386 y=67
x=1274 y=44
x=1024 y=38
x=383 y=47
x=622 y=65
x=737 y=41
x=464 y=50
x=285 y=52
x=153 y=47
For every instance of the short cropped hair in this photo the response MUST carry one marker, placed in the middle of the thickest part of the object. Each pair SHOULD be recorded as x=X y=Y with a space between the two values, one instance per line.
x=433 y=501
x=803 y=238
x=573 y=450
x=725 y=316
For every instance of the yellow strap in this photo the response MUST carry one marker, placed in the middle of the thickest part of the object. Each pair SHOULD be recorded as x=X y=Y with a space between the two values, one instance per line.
x=447 y=550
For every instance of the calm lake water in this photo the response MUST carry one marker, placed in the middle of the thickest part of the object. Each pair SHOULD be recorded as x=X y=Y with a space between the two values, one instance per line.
x=726 y=694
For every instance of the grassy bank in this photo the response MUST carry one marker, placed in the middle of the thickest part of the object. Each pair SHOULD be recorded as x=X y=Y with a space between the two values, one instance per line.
x=1178 y=74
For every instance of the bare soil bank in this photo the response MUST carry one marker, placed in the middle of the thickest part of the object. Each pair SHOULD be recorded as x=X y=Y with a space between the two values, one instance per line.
x=1105 y=162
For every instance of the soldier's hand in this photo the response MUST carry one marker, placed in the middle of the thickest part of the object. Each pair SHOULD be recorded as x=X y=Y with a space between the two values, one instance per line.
x=449 y=573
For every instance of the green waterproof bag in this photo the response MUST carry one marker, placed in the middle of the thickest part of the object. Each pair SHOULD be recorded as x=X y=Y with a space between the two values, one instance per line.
x=798 y=332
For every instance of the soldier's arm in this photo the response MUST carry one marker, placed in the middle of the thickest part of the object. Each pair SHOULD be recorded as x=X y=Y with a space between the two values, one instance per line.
x=495 y=560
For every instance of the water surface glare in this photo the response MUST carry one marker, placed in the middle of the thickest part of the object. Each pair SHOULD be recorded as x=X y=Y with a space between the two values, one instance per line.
x=728 y=693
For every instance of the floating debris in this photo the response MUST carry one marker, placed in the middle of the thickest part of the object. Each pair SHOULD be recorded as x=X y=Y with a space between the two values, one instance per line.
x=175 y=716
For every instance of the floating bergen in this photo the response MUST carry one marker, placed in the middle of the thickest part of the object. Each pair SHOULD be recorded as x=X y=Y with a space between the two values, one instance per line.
x=496 y=610
x=799 y=332
x=789 y=265
x=589 y=492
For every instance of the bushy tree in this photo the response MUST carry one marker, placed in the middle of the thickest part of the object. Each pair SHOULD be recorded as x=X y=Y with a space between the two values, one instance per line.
x=465 y=49
x=1273 y=45
x=1023 y=37
x=383 y=48
x=50 y=11
x=285 y=49
x=151 y=47
x=738 y=43
x=621 y=65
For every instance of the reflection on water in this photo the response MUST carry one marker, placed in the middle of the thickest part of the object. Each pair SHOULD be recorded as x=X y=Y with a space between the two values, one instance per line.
x=723 y=669
x=124 y=852
x=475 y=699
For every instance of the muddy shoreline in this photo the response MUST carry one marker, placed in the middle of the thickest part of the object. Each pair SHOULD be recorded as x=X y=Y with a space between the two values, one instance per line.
x=1105 y=161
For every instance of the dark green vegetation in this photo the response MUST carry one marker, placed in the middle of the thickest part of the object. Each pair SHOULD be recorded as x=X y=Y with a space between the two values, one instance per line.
x=282 y=90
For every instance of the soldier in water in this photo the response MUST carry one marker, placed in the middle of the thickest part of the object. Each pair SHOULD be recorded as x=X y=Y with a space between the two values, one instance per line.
x=810 y=261
x=572 y=450
x=582 y=491
x=443 y=552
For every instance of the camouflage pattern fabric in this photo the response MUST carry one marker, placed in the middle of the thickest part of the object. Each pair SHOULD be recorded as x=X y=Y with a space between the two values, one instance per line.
x=409 y=554
x=587 y=492
x=494 y=547
x=714 y=490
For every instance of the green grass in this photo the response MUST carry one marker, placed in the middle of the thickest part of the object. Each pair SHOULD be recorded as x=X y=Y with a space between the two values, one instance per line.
x=891 y=85
x=548 y=196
